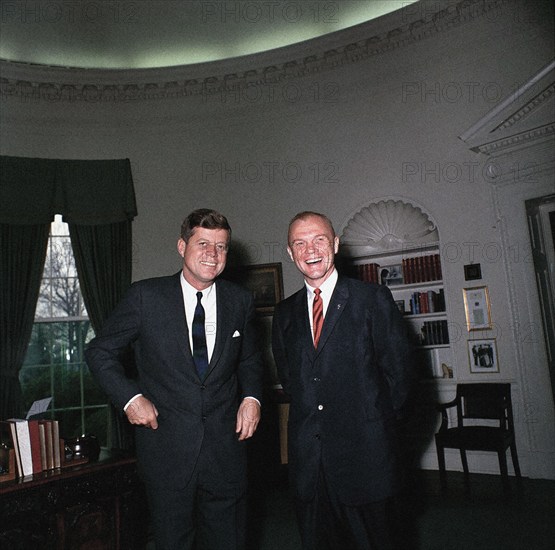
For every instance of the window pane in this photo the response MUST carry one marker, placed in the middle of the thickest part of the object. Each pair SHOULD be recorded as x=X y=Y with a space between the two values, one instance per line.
x=44 y=302
x=92 y=392
x=58 y=227
x=96 y=423
x=36 y=384
x=63 y=262
x=67 y=386
x=48 y=263
x=66 y=296
x=38 y=352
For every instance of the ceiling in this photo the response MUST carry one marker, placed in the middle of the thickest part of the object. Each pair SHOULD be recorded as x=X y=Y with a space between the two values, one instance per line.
x=124 y=34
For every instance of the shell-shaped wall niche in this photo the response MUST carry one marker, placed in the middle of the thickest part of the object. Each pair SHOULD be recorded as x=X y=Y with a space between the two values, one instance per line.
x=386 y=226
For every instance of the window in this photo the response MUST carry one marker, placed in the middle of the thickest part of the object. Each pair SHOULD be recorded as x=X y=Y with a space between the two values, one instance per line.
x=54 y=365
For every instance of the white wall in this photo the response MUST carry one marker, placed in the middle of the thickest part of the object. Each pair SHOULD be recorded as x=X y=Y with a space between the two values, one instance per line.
x=386 y=125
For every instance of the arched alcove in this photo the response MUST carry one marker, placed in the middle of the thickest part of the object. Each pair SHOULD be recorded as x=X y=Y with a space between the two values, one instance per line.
x=386 y=226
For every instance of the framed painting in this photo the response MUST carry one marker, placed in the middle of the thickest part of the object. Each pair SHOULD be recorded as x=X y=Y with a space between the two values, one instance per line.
x=265 y=281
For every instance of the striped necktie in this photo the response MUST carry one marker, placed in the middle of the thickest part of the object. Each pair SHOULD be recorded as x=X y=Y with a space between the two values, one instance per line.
x=200 y=351
x=317 y=316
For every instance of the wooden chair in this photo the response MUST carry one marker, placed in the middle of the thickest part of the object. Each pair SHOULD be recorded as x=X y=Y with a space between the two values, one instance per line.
x=474 y=402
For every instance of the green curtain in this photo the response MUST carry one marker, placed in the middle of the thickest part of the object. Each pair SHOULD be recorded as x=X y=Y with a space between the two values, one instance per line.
x=96 y=197
x=22 y=256
x=103 y=260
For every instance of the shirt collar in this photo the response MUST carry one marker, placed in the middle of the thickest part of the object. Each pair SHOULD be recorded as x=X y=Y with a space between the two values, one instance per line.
x=191 y=291
x=326 y=287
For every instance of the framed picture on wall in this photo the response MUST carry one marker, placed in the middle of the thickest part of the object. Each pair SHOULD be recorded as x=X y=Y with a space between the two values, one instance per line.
x=476 y=308
x=482 y=355
x=265 y=281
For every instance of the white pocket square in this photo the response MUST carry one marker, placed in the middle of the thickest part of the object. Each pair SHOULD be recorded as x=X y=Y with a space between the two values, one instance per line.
x=236 y=334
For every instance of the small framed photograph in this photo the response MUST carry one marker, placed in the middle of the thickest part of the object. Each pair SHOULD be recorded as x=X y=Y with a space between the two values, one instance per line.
x=401 y=306
x=391 y=275
x=482 y=355
x=476 y=308
x=265 y=281
x=472 y=272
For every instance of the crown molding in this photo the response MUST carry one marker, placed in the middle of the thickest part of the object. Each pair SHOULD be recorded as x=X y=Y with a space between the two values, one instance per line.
x=342 y=48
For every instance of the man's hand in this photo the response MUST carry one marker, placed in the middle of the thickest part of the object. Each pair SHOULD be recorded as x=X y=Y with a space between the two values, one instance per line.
x=248 y=417
x=142 y=412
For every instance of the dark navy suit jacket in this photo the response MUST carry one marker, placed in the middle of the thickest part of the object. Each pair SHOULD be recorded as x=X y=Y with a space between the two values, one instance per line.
x=193 y=413
x=347 y=394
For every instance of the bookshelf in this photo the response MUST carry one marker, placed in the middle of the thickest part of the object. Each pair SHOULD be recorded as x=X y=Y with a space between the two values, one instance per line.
x=415 y=280
x=395 y=243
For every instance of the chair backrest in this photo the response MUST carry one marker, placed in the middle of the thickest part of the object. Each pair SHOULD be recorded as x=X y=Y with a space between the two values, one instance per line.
x=485 y=401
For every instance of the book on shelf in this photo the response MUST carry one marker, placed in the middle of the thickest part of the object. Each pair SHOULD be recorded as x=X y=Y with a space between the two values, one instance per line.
x=42 y=439
x=366 y=272
x=56 y=443
x=434 y=333
x=428 y=301
x=48 y=443
x=421 y=269
x=35 y=445
x=25 y=463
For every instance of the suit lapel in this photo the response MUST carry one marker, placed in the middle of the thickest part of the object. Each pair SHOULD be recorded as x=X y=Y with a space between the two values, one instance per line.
x=301 y=314
x=224 y=316
x=176 y=311
x=335 y=309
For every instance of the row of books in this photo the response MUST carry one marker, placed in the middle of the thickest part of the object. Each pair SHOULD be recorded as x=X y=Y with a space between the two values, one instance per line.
x=434 y=333
x=421 y=269
x=369 y=273
x=427 y=302
x=418 y=269
x=36 y=443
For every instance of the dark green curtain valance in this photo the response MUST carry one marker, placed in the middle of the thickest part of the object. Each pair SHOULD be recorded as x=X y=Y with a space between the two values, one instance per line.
x=86 y=192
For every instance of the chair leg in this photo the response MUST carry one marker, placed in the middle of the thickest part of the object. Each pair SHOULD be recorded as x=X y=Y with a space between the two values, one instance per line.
x=464 y=463
x=503 y=468
x=514 y=456
x=441 y=464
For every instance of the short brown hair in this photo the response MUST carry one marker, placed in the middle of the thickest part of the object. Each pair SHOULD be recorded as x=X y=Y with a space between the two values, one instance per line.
x=206 y=218
x=309 y=214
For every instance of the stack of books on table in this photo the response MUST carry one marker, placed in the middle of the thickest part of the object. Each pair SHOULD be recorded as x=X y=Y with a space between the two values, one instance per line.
x=36 y=444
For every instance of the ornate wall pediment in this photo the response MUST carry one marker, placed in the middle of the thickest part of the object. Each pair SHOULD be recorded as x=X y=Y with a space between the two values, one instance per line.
x=524 y=120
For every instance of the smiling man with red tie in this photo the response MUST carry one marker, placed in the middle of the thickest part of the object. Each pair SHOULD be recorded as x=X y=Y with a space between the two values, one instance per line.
x=343 y=357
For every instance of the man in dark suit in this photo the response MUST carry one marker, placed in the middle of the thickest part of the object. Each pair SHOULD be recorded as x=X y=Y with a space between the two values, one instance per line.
x=348 y=377
x=197 y=395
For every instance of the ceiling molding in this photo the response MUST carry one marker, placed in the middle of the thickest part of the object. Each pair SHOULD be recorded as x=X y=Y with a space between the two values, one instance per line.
x=50 y=83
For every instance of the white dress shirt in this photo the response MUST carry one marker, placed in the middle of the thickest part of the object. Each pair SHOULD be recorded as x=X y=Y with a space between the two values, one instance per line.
x=210 y=314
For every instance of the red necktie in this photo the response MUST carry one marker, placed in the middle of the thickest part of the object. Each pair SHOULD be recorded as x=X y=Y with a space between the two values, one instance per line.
x=317 y=316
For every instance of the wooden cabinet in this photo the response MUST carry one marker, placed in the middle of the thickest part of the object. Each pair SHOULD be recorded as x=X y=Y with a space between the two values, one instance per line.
x=99 y=505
